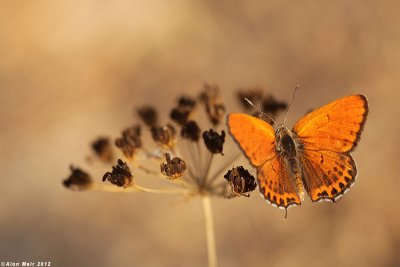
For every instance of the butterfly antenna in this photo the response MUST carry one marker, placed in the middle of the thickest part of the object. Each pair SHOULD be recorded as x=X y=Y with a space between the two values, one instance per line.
x=287 y=111
x=259 y=110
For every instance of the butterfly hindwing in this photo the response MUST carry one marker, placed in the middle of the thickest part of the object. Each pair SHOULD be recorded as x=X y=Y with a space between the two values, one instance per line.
x=275 y=184
x=327 y=175
x=256 y=137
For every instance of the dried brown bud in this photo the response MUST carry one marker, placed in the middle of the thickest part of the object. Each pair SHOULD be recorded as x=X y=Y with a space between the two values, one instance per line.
x=165 y=136
x=78 y=180
x=210 y=93
x=214 y=141
x=191 y=131
x=120 y=176
x=180 y=114
x=103 y=149
x=149 y=115
x=214 y=107
x=130 y=141
x=186 y=102
x=240 y=181
x=252 y=94
x=173 y=168
x=271 y=106
x=215 y=112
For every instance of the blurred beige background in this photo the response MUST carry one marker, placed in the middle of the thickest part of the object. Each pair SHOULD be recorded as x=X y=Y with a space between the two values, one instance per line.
x=73 y=70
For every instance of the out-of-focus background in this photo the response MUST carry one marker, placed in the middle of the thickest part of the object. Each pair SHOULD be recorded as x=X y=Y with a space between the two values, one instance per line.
x=73 y=70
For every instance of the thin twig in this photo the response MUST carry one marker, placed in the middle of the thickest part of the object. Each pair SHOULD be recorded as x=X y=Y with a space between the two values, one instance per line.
x=211 y=247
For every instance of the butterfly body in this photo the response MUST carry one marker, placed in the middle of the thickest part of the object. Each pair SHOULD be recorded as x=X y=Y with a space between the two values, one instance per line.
x=287 y=147
x=313 y=157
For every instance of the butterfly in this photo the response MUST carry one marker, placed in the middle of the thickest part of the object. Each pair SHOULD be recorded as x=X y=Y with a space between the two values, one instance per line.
x=313 y=157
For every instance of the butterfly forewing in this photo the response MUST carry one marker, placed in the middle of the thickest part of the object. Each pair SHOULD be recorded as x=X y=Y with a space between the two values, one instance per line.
x=335 y=127
x=256 y=137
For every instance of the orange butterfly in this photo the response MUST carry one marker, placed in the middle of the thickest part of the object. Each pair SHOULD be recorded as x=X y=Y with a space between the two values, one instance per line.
x=314 y=156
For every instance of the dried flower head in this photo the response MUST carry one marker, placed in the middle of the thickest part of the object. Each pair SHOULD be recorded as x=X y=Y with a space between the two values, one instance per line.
x=103 y=149
x=164 y=136
x=214 y=107
x=78 y=180
x=120 y=176
x=214 y=141
x=149 y=116
x=272 y=106
x=130 y=140
x=180 y=114
x=173 y=168
x=252 y=94
x=240 y=181
x=191 y=131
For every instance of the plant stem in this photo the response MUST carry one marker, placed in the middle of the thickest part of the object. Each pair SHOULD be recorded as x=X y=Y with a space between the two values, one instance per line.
x=211 y=247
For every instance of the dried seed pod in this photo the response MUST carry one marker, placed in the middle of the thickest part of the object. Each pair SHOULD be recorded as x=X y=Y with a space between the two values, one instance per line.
x=180 y=114
x=130 y=141
x=252 y=94
x=165 y=136
x=214 y=141
x=149 y=115
x=214 y=107
x=120 y=175
x=173 y=168
x=191 y=131
x=186 y=102
x=215 y=112
x=103 y=149
x=240 y=181
x=271 y=106
x=210 y=93
x=78 y=180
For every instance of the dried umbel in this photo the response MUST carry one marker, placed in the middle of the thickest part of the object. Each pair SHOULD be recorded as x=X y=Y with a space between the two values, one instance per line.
x=189 y=160
x=240 y=181
x=173 y=168
x=197 y=164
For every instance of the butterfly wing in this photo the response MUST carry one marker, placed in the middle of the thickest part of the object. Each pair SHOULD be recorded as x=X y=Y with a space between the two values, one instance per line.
x=327 y=136
x=275 y=184
x=257 y=139
x=254 y=136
